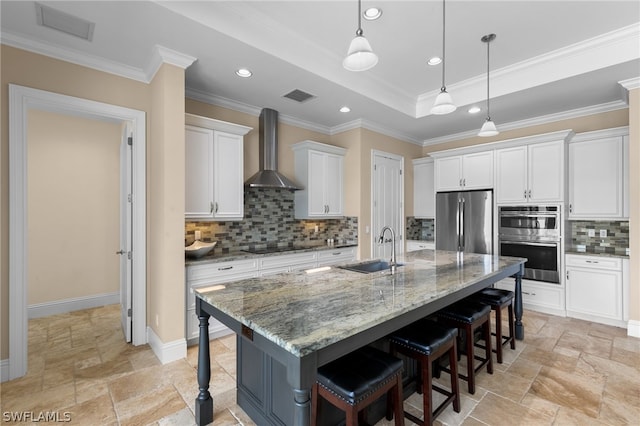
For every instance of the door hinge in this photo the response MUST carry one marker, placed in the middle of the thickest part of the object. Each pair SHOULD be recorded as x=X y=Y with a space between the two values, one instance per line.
x=130 y=140
x=375 y=167
x=129 y=312
x=129 y=198
x=129 y=255
x=400 y=172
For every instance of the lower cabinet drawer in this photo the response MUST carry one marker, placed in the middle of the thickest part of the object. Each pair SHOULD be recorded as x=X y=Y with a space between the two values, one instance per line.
x=332 y=257
x=539 y=294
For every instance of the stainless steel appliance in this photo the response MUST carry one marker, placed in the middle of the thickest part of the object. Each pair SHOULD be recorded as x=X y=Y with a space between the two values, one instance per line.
x=532 y=232
x=464 y=221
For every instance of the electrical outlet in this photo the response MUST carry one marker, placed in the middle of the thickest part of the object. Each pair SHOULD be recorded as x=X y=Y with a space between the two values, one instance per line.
x=315 y=230
x=591 y=232
x=198 y=235
x=581 y=248
x=603 y=233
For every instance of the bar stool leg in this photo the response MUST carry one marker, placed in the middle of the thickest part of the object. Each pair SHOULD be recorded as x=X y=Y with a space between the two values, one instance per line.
x=487 y=338
x=498 y=312
x=512 y=327
x=427 y=397
x=314 y=404
x=471 y=377
x=453 y=367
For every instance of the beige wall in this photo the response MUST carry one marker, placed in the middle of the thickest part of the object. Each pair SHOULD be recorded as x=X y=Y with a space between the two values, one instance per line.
x=73 y=200
x=40 y=72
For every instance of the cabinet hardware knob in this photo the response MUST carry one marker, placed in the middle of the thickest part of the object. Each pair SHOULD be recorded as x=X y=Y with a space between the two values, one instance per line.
x=120 y=252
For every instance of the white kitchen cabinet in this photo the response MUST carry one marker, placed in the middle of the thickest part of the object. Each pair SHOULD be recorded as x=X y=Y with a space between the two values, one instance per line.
x=414 y=245
x=598 y=175
x=463 y=172
x=595 y=290
x=539 y=296
x=320 y=170
x=214 y=181
x=336 y=256
x=424 y=202
x=270 y=265
x=207 y=275
x=531 y=173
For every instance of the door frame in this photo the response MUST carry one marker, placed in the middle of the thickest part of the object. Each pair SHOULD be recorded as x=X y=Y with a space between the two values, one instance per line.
x=377 y=153
x=21 y=100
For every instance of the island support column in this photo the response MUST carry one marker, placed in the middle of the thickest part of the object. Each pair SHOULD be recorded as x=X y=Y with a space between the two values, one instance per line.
x=204 y=402
x=302 y=413
x=517 y=309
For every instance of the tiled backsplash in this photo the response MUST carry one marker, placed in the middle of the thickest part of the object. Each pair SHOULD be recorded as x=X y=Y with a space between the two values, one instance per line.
x=616 y=241
x=269 y=220
x=419 y=229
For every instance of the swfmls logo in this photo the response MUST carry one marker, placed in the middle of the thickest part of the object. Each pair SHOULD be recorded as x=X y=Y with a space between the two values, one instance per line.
x=31 y=416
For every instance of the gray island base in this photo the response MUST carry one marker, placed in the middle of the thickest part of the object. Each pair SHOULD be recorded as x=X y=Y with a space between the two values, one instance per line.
x=288 y=325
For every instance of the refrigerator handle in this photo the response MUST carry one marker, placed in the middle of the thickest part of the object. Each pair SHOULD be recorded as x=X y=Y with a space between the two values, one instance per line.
x=462 y=225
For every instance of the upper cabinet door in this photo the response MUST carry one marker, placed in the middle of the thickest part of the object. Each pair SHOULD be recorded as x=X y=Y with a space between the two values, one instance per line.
x=477 y=170
x=214 y=185
x=546 y=172
x=198 y=173
x=599 y=175
x=320 y=169
x=511 y=170
x=449 y=173
x=228 y=176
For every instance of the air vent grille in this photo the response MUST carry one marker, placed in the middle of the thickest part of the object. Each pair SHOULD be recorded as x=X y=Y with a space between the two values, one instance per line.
x=299 y=96
x=61 y=21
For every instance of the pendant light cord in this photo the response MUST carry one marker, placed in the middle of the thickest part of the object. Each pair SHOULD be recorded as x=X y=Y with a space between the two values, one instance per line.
x=443 y=88
x=359 y=30
x=488 y=111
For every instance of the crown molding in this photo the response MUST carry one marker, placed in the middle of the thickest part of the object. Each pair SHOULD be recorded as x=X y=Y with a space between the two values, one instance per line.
x=543 y=119
x=630 y=84
x=614 y=47
x=73 y=56
x=164 y=55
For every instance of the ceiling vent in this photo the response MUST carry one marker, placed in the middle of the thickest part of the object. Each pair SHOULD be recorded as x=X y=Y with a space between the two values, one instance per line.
x=61 y=21
x=299 y=96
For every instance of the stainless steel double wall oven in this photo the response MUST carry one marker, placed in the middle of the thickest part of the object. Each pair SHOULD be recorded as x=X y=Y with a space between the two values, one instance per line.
x=532 y=232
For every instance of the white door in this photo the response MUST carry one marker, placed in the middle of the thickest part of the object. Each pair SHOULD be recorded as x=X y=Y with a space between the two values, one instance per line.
x=125 y=232
x=387 y=203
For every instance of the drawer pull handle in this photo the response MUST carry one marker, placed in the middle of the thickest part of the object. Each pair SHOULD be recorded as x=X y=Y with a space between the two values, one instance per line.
x=530 y=294
x=592 y=261
x=337 y=253
x=226 y=268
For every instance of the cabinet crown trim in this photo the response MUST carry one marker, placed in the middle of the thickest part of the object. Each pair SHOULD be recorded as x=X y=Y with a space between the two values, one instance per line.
x=323 y=147
x=423 y=160
x=601 y=134
x=219 y=125
x=563 y=135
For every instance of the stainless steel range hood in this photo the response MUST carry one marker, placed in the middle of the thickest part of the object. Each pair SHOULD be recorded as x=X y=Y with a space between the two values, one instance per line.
x=268 y=176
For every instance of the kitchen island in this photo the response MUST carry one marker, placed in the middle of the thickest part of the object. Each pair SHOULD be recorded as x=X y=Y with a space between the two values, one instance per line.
x=290 y=324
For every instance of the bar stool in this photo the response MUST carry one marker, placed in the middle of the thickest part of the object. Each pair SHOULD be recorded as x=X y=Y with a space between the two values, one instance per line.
x=498 y=299
x=356 y=380
x=426 y=341
x=468 y=316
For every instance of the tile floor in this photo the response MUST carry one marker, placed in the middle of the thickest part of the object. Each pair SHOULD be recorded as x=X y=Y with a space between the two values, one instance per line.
x=566 y=372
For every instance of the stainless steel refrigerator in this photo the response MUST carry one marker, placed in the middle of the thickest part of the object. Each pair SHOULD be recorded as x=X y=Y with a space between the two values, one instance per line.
x=464 y=221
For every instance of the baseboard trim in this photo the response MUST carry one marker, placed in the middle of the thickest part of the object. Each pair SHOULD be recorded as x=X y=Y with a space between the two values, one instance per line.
x=633 y=328
x=38 y=310
x=166 y=352
x=4 y=370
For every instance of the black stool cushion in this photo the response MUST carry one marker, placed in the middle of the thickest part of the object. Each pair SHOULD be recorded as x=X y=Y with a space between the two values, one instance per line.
x=354 y=376
x=494 y=296
x=466 y=311
x=424 y=336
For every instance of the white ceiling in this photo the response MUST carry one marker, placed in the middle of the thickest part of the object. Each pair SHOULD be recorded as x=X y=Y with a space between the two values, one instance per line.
x=557 y=58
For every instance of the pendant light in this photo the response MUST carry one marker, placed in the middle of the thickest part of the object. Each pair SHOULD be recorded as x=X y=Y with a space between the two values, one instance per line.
x=489 y=127
x=444 y=102
x=360 y=56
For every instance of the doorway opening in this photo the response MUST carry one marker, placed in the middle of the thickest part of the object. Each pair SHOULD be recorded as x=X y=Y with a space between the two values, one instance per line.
x=22 y=100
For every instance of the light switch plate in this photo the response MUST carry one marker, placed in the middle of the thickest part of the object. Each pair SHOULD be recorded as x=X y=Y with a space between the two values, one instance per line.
x=581 y=248
x=627 y=251
x=198 y=235
x=591 y=232
x=603 y=233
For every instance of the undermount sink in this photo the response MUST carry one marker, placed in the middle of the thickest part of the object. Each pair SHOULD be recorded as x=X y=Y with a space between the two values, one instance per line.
x=370 y=266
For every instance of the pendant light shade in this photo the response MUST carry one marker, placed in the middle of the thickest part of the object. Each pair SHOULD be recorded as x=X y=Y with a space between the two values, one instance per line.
x=444 y=103
x=489 y=127
x=360 y=56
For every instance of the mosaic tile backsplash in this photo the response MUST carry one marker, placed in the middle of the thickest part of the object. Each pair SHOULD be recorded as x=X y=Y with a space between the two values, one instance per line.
x=616 y=241
x=419 y=229
x=269 y=221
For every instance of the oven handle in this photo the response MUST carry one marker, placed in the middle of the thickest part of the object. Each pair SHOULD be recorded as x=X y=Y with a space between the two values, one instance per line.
x=530 y=243
x=504 y=214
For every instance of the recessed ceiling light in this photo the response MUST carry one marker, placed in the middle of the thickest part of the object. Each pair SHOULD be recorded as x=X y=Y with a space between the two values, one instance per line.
x=244 y=73
x=345 y=109
x=434 y=61
x=474 y=110
x=372 y=13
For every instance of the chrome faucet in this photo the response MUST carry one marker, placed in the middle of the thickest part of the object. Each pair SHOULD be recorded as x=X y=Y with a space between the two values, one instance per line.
x=392 y=263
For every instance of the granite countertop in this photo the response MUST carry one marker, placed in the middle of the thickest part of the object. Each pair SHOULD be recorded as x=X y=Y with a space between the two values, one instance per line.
x=239 y=255
x=303 y=312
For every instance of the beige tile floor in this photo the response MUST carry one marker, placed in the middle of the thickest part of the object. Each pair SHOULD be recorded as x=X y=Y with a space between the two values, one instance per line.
x=566 y=372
